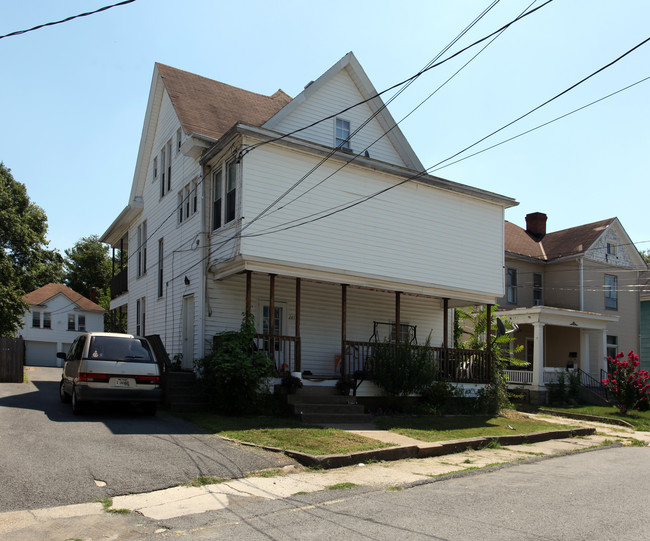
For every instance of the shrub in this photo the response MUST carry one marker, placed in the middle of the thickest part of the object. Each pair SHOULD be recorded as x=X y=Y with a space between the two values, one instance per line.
x=234 y=375
x=629 y=385
x=438 y=394
x=402 y=369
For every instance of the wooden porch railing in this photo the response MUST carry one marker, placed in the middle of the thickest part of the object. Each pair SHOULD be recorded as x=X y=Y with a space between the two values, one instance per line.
x=458 y=365
x=285 y=350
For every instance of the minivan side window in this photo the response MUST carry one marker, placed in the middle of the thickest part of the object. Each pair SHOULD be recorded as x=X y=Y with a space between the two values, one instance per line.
x=79 y=348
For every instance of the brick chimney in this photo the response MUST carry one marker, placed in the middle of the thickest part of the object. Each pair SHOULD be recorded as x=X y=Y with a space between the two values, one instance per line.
x=536 y=225
x=93 y=294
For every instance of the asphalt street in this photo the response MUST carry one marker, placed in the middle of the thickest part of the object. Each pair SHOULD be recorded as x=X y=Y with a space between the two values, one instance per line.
x=594 y=495
x=51 y=457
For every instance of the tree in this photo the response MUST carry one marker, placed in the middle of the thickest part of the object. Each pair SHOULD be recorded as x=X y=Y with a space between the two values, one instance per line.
x=25 y=262
x=645 y=254
x=473 y=321
x=88 y=265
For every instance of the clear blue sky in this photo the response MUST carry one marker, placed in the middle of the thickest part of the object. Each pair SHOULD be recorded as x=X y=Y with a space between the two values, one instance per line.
x=73 y=96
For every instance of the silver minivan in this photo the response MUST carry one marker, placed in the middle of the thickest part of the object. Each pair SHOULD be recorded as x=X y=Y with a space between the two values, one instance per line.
x=110 y=367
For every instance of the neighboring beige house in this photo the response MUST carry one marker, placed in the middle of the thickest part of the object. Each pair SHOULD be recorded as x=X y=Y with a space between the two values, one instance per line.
x=574 y=295
x=234 y=208
x=56 y=316
x=644 y=350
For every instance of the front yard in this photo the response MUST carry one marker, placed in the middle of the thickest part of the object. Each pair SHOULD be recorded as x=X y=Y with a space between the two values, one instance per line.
x=640 y=420
x=290 y=434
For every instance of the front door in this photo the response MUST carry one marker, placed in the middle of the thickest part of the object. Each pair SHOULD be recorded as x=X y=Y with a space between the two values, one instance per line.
x=188 y=332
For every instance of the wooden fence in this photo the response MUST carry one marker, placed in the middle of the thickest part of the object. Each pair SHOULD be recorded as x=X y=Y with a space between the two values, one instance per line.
x=12 y=359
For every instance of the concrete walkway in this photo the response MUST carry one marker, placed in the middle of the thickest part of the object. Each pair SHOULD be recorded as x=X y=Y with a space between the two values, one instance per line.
x=145 y=511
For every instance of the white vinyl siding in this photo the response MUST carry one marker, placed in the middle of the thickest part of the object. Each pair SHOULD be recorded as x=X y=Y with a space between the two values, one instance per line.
x=413 y=232
x=320 y=314
x=337 y=94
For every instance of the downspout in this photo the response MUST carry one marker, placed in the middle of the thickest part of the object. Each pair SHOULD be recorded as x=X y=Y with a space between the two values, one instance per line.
x=581 y=267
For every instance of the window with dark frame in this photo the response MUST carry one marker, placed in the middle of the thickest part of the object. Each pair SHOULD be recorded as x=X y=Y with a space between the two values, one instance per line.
x=538 y=289
x=160 y=267
x=231 y=191
x=142 y=248
x=511 y=286
x=71 y=322
x=47 y=320
x=81 y=322
x=217 y=188
x=36 y=319
x=611 y=292
x=612 y=346
x=169 y=165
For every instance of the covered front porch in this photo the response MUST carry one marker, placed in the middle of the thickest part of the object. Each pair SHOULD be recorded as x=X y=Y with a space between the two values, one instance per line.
x=557 y=339
x=322 y=331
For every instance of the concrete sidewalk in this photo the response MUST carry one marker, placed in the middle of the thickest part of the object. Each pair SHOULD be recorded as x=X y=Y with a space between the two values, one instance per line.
x=144 y=512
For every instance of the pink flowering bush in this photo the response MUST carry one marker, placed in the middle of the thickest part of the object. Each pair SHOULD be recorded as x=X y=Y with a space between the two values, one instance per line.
x=629 y=385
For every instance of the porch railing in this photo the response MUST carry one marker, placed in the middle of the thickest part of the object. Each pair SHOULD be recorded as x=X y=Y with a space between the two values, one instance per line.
x=523 y=377
x=458 y=365
x=120 y=283
x=284 y=350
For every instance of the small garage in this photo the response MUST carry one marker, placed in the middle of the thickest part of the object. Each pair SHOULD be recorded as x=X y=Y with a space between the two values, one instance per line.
x=40 y=353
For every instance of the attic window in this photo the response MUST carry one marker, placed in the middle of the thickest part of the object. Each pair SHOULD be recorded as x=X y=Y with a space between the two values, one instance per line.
x=611 y=248
x=342 y=139
x=178 y=140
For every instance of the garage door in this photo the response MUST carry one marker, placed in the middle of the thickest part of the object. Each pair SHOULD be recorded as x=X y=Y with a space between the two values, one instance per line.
x=40 y=353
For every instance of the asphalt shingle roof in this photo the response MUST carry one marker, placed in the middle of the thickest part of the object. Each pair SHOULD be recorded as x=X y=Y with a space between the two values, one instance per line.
x=45 y=293
x=567 y=242
x=210 y=108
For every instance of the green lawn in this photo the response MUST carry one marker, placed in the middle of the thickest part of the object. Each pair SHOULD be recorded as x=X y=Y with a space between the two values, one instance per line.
x=639 y=419
x=434 y=428
x=284 y=433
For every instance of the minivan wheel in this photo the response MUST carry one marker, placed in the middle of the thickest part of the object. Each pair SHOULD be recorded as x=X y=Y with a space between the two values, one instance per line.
x=77 y=405
x=65 y=397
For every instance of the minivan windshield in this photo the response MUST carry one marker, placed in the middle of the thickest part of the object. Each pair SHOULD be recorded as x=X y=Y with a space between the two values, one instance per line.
x=118 y=348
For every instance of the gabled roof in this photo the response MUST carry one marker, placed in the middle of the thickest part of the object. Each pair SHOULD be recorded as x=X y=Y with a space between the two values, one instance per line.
x=45 y=293
x=210 y=108
x=565 y=243
x=369 y=93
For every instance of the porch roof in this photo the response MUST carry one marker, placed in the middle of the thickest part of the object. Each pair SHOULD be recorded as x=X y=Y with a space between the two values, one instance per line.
x=559 y=317
x=457 y=298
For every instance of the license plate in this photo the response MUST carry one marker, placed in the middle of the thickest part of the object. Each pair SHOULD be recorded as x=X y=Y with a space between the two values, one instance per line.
x=121 y=382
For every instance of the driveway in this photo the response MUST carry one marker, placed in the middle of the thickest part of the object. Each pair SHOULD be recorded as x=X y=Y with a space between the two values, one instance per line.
x=51 y=457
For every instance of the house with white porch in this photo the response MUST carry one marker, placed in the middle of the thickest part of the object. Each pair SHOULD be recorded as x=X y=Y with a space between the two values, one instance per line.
x=574 y=295
x=313 y=214
x=56 y=315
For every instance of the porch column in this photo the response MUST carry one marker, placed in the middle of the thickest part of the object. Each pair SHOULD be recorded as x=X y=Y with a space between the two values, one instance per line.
x=344 y=320
x=488 y=328
x=398 y=326
x=272 y=316
x=538 y=354
x=445 y=335
x=298 y=352
x=585 y=361
x=602 y=359
x=249 y=291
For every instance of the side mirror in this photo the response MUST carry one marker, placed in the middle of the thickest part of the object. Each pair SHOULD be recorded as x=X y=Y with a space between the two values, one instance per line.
x=61 y=355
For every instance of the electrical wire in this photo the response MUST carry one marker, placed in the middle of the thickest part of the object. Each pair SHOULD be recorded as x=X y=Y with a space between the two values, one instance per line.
x=20 y=32
x=342 y=207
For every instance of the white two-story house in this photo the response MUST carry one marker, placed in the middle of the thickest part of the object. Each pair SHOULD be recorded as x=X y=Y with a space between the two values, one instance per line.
x=313 y=214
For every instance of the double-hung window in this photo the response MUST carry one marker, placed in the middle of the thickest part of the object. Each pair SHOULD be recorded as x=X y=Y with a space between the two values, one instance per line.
x=538 y=289
x=511 y=286
x=342 y=137
x=187 y=202
x=47 y=320
x=217 y=198
x=231 y=191
x=72 y=324
x=166 y=168
x=36 y=320
x=140 y=317
x=142 y=248
x=160 y=267
x=611 y=292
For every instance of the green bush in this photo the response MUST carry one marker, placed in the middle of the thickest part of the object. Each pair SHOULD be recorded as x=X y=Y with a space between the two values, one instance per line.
x=234 y=375
x=402 y=369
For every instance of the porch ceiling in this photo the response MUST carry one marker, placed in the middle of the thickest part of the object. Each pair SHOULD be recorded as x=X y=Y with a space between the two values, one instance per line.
x=238 y=265
x=560 y=317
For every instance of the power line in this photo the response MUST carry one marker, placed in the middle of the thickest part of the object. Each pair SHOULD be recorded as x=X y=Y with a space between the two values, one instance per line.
x=19 y=32
x=345 y=206
x=397 y=85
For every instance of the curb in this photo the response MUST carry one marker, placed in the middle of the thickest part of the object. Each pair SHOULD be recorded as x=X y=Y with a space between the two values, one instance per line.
x=585 y=417
x=422 y=450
